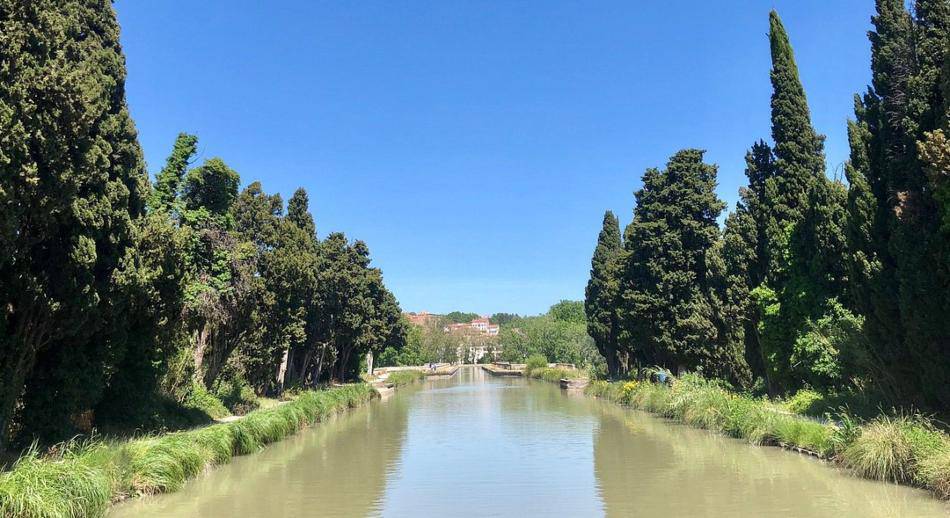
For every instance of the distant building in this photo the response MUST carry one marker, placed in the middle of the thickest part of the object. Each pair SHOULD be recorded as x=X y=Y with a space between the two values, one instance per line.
x=422 y=318
x=481 y=325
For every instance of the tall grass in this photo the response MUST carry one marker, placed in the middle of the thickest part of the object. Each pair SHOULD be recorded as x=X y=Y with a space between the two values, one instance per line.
x=553 y=374
x=83 y=479
x=406 y=377
x=903 y=449
x=906 y=449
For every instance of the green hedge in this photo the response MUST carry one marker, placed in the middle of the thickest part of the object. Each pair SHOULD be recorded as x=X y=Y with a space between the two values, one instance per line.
x=84 y=478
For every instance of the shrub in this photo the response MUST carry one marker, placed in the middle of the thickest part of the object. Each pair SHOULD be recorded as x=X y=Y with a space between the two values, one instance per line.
x=237 y=395
x=199 y=398
x=535 y=361
x=804 y=402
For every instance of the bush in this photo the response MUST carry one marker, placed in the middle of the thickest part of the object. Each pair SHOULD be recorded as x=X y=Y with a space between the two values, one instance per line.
x=199 y=398
x=237 y=395
x=804 y=402
x=535 y=361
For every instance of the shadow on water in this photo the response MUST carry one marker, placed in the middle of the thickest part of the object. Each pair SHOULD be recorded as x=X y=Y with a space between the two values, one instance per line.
x=337 y=468
x=650 y=466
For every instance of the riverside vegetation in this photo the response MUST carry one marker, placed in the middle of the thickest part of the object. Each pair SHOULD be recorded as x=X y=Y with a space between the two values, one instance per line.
x=83 y=478
x=133 y=305
x=136 y=306
x=832 y=297
x=903 y=449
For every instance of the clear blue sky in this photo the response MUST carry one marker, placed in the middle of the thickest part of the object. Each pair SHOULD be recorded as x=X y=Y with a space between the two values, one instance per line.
x=475 y=145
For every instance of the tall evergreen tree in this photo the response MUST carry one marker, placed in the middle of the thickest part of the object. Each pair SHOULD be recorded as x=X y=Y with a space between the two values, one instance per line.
x=667 y=316
x=602 y=294
x=731 y=264
x=72 y=179
x=799 y=215
x=899 y=255
x=798 y=150
x=298 y=212
x=164 y=195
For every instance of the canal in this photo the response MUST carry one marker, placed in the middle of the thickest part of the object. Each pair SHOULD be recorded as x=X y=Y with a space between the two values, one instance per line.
x=474 y=445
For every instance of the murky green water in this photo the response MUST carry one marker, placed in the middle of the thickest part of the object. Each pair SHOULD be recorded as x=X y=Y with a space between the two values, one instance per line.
x=475 y=445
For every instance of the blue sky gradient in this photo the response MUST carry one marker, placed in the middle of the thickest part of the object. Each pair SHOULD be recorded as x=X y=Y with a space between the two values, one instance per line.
x=475 y=145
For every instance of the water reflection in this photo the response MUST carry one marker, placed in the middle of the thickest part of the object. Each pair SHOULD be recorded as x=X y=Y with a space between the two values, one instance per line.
x=474 y=445
x=649 y=466
x=338 y=468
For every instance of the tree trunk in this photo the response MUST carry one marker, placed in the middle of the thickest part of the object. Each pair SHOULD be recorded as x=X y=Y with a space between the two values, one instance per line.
x=14 y=369
x=201 y=343
x=282 y=370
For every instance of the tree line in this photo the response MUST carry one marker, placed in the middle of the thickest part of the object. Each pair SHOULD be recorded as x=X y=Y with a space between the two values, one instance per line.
x=119 y=294
x=811 y=282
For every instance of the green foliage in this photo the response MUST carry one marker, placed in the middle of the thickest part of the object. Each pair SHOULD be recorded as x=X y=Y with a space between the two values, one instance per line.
x=535 y=361
x=557 y=340
x=568 y=311
x=666 y=316
x=602 y=295
x=888 y=448
x=165 y=193
x=803 y=401
x=201 y=399
x=459 y=317
x=73 y=184
x=898 y=262
x=407 y=377
x=236 y=395
x=503 y=318
x=212 y=187
x=554 y=374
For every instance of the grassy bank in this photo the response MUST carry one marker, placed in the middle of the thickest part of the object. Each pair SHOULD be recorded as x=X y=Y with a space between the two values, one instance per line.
x=82 y=479
x=553 y=374
x=406 y=377
x=908 y=450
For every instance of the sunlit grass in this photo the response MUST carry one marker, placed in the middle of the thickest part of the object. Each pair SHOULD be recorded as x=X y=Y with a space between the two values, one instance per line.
x=406 y=377
x=82 y=479
x=900 y=449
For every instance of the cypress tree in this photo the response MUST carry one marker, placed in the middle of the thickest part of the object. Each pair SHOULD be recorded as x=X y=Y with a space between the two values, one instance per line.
x=798 y=150
x=667 y=316
x=164 y=195
x=298 y=211
x=601 y=295
x=800 y=215
x=73 y=170
x=900 y=257
x=730 y=264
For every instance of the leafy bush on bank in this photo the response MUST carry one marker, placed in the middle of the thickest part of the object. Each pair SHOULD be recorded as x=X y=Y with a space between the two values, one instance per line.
x=81 y=479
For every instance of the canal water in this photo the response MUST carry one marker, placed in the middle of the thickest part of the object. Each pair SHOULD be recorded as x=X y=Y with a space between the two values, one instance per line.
x=475 y=445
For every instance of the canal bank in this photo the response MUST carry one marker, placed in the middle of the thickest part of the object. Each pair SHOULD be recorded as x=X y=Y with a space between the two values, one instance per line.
x=507 y=446
x=83 y=479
